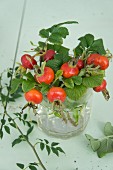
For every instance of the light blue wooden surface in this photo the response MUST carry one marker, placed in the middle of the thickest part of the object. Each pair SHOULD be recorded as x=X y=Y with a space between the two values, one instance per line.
x=94 y=17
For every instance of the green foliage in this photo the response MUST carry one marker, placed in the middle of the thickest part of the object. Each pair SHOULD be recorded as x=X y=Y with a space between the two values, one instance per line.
x=44 y=33
x=69 y=83
x=92 y=81
x=44 y=88
x=53 y=147
x=15 y=85
x=30 y=130
x=7 y=129
x=77 y=92
x=105 y=145
x=77 y=80
x=88 y=44
x=21 y=166
x=28 y=85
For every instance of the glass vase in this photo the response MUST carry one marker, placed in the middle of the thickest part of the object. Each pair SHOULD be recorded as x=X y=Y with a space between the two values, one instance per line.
x=67 y=120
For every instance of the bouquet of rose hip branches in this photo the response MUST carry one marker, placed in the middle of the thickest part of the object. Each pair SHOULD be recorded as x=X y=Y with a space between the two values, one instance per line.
x=53 y=73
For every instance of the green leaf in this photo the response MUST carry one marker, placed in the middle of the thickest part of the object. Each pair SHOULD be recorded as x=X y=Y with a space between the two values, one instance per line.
x=106 y=146
x=7 y=129
x=1 y=134
x=25 y=116
x=108 y=129
x=16 y=141
x=93 y=81
x=78 y=50
x=77 y=80
x=42 y=146
x=95 y=143
x=15 y=84
x=46 y=141
x=48 y=149
x=44 y=33
x=57 y=114
x=30 y=130
x=77 y=92
x=60 y=149
x=55 y=151
x=3 y=121
x=32 y=167
x=13 y=125
x=67 y=22
x=27 y=85
x=98 y=47
x=55 y=38
x=86 y=40
x=42 y=44
x=58 y=74
x=89 y=39
x=21 y=166
x=29 y=76
x=54 y=144
x=54 y=64
x=62 y=31
x=69 y=83
x=45 y=88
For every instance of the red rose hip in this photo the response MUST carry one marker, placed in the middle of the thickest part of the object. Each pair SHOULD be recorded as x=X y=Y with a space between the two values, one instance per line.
x=28 y=61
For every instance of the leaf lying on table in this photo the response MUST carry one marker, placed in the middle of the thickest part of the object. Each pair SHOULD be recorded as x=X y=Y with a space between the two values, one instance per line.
x=104 y=145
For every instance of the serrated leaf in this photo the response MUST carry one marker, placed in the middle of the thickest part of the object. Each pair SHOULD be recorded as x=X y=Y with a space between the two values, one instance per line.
x=55 y=151
x=93 y=81
x=60 y=149
x=1 y=134
x=13 y=125
x=89 y=39
x=32 y=167
x=98 y=47
x=21 y=166
x=42 y=146
x=15 y=84
x=44 y=88
x=77 y=92
x=25 y=116
x=16 y=141
x=30 y=130
x=69 y=83
x=78 y=50
x=44 y=33
x=86 y=40
x=54 y=144
x=46 y=141
x=7 y=129
x=55 y=38
x=58 y=74
x=48 y=149
x=29 y=76
x=63 y=31
x=54 y=64
x=27 y=85
x=77 y=80
x=3 y=121
x=67 y=22
x=108 y=129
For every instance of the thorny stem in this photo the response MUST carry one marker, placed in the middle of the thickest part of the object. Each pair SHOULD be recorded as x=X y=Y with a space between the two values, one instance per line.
x=27 y=140
x=5 y=113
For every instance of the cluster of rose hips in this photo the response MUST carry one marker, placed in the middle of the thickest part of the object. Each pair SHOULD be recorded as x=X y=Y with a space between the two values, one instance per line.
x=71 y=68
